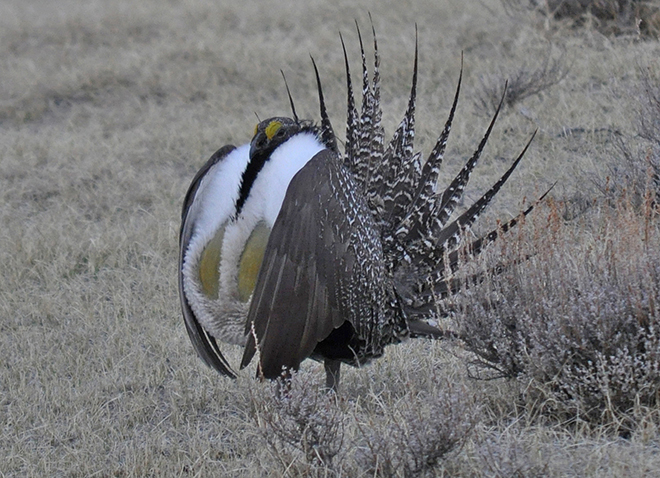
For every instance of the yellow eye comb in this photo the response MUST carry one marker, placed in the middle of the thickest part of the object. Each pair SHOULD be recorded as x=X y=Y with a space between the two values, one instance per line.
x=272 y=128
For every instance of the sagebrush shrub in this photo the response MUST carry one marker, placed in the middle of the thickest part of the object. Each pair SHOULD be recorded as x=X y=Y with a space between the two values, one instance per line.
x=525 y=81
x=299 y=417
x=615 y=17
x=412 y=436
x=634 y=164
x=575 y=311
x=312 y=432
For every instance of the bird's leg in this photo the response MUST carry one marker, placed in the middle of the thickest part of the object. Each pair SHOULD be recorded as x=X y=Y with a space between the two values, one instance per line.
x=284 y=383
x=332 y=368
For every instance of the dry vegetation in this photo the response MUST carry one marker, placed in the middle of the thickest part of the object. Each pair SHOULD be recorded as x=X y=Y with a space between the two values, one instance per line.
x=108 y=108
x=613 y=17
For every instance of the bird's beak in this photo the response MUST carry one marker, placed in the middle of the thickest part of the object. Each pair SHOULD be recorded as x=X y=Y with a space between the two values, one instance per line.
x=257 y=142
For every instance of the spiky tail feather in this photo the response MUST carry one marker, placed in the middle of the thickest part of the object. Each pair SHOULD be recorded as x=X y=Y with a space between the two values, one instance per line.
x=448 y=237
x=402 y=193
x=433 y=221
x=352 y=124
x=422 y=201
x=439 y=282
x=398 y=173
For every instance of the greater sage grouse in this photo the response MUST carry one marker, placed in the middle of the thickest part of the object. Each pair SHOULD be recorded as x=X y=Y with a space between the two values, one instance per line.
x=294 y=250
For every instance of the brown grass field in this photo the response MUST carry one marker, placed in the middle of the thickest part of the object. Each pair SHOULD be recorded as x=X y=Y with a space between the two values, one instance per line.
x=107 y=110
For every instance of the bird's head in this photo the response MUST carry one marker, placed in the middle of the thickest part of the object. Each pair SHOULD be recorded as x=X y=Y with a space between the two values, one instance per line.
x=271 y=133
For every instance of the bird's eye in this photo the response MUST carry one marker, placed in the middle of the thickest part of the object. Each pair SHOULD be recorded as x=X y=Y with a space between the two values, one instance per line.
x=280 y=133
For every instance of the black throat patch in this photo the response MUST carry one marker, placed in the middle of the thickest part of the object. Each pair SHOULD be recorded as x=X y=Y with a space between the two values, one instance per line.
x=269 y=135
x=255 y=165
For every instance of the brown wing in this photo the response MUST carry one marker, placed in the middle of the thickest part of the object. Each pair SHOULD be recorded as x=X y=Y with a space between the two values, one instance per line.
x=310 y=264
x=205 y=345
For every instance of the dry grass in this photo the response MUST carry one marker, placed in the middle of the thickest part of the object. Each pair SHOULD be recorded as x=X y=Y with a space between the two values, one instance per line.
x=106 y=111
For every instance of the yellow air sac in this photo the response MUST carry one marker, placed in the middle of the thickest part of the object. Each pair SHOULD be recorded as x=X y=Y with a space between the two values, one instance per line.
x=209 y=265
x=251 y=259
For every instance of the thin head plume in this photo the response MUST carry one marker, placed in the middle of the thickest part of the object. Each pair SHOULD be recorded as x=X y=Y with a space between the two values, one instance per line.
x=327 y=133
x=288 y=92
x=258 y=119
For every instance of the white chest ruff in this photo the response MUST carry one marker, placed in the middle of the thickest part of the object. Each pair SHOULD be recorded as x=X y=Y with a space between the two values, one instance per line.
x=214 y=207
x=263 y=203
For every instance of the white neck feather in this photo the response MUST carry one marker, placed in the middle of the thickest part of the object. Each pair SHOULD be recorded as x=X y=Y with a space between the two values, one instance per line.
x=267 y=192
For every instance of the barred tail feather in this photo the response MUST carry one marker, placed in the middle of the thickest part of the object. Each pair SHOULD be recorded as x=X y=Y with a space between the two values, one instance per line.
x=432 y=166
x=352 y=124
x=444 y=205
x=376 y=133
x=448 y=237
x=397 y=156
x=438 y=285
x=363 y=156
x=426 y=190
x=476 y=246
